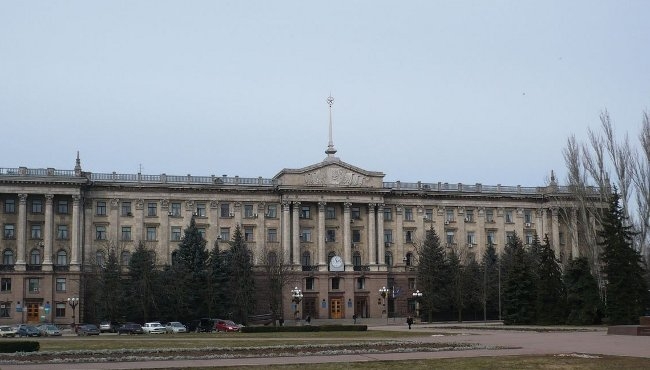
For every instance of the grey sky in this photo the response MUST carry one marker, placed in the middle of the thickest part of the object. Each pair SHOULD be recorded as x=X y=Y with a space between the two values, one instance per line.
x=455 y=91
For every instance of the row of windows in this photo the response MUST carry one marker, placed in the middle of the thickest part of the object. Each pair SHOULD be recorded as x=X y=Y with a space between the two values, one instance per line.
x=305 y=258
x=36 y=206
x=61 y=258
x=36 y=231
x=33 y=284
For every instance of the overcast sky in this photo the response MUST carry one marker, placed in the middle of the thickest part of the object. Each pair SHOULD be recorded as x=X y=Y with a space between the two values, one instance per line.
x=449 y=91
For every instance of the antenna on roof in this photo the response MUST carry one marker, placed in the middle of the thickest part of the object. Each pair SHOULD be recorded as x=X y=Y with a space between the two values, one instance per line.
x=330 y=147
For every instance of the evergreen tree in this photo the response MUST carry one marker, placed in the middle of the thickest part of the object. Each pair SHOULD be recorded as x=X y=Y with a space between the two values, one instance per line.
x=518 y=284
x=110 y=290
x=433 y=276
x=241 y=279
x=583 y=300
x=623 y=267
x=551 y=295
x=142 y=283
x=473 y=282
x=457 y=287
x=490 y=282
x=192 y=261
x=218 y=277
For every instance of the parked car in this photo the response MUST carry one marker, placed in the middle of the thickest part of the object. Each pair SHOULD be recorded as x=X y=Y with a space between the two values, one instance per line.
x=204 y=325
x=225 y=325
x=7 y=331
x=87 y=329
x=130 y=328
x=49 y=330
x=153 y=328
x=108 y=326
x=174 y=327
x=25 y=330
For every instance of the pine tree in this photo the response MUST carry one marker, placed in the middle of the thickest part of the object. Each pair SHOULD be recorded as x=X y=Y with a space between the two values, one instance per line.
x=490 y=282
x=457 y=287
x=551 y=294
x=433 y=276
x=143 y=287
x=623 y=267
x=518 y=284
x=191 y=259
x=110 y=290
x=241 y=281
x=583 y=300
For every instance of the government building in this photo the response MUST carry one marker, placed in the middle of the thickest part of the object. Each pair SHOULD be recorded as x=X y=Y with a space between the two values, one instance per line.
x=345 y=231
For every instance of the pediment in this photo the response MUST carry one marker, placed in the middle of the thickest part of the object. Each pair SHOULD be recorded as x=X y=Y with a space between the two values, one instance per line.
x=331 y=173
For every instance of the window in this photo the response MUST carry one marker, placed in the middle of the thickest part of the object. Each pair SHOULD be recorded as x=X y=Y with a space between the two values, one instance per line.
x=37 y=206
x=528 y=216
x=449 y=215
x=99 y=258
x=489 y=215
x=126 y=209
x=200 y=210
x=126 y=232
x=33 y=285
x=306 y=258
x=225 y=233
x=408 y=214
x=59 y=310
x=305 y=212
x=5 y=309
x=408 y=236
x=509 y=218
x=224 y=209
x=248 y=233
x=35 y=257
x=491 y=238
x=8 y=257
x=62 y=232
x=361 y=283
x=336 y=282
x=471 y=238
x=151 y=233
x=562 y=239
x=175 y=209
x=309 y=283
x=450 y=238
x=428 y=214
x=100 y=232
x=272 y=235
x=60 y=284
x=510 y=237
x=152 y=209
x=355 y=213
x=356 y=236
x=36 y=231
x=388 y=214
x=100 y=208
x=330 y=235
x=330 y=213
x=388 y=236
x=125 y=258
x=10 y=206
x=469 y=215
x=248 y=211
x=411 y=282
x=356 y=259
x=201 y=231
x=272 y=259
x=10 y=231
x=305 y=235
x=529 y=238
x=62 y=258
x=176 y=233
x=62 y=207
x=272 y=211
x=5 y=285
x=409 y=259
x=388 y=257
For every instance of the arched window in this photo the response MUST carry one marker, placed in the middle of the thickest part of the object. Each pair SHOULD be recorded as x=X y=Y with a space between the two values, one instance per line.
x=389 y=258
x=35 y=257
x=62 y=258
x=409 y=259
x=8 y=257
x=125 y=258
x=272 y=259
x=99 y=258
x=356 y=259
x=306 y=258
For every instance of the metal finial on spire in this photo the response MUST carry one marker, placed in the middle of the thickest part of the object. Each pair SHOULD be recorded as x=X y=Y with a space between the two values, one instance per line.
x=330 y=147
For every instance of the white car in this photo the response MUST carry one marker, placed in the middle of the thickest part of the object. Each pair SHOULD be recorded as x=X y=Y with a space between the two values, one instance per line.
x=175 y=327
x=153 y=328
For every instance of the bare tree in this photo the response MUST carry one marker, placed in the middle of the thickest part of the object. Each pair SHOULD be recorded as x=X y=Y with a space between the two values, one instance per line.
x=641 y=178
x=278 y=274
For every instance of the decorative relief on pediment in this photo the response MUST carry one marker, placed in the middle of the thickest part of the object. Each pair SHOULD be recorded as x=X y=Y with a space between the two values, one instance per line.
x=334 y=176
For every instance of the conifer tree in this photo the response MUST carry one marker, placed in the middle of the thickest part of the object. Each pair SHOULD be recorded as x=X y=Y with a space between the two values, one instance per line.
x=490 y=282
x=551 y=294
x=241 y=279
x=518 y=284
x=433 y=276
x=143 y=289
x=583 y=301
x=191 y=259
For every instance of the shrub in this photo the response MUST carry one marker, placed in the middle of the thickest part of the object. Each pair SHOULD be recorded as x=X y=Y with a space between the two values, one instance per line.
x=302 y=329
x=19 y=346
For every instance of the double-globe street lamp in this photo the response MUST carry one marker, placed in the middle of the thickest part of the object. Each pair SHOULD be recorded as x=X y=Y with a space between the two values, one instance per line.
x=73 y=302
x=417 y=295
x=296 y=298
x=383 y=292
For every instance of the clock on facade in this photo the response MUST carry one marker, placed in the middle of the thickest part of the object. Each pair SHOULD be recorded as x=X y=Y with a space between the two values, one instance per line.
x=336 y=263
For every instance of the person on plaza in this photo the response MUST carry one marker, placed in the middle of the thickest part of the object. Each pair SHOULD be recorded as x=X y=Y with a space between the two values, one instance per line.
x=409 y=321
x=308 y=319
x=354 y=318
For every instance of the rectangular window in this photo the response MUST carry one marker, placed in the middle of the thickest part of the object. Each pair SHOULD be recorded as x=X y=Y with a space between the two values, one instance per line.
x=309 y=283
x=151 y=233
x=361 y=283
x=408 y=236
x=5 y=285
x=10 y=231
x=510 y=237
x=561 y=237
x=36 y=231
x=201 y=210
x=388 y=236
x=408 y=214
x=201 y=230
x=450 y=238
x=60 y=284
x=336 y=283
x=248 y=211
x=489 y=215
x=528 y=216
x=330 y=235
x=175 y=209
x=469 y=215
x=37 y=206
x=272 y=211
x=411 y=283
x=305 y=235
x=491 y=238
x=224 y=232
x=305 y=212
x=126 y=232
x=224 y=209
x=471 y=238
x=126 y=209
x=5 y=309
x=10 y=206
x=355 y=213
x=176 y=233
x=62 y=232
x=59 y=310
x=248 y=233
x=529 y=238
x=388 y=214
x=100 y=232
x=62 y=207
x=428 y=214
x=33 y=285
x=449 y=215
x=330 y=213
x=272 y=235
x=356 y=236
x=100 y=208
x=152 y=209
x=509 y=218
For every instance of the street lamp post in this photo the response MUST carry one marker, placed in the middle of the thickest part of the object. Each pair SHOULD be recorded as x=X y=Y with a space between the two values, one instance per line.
x=73 y=302
x=417 y=295
x=296 y=297
x=383 y=292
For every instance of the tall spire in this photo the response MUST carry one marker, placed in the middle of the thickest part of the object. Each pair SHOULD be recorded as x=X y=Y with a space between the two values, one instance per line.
x=330 y=146
x=77 y=166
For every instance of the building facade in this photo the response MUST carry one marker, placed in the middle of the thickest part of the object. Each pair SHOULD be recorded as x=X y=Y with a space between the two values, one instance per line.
x=56 y=223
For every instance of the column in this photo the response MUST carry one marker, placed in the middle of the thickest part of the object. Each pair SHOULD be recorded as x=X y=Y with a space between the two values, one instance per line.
x=544 y=224
x=295 y=255
x=501 y=226
x=260 y=233
x=372 y=239
x=481 y=239
x=20 y=232
x=286 y=232
x=575 y=253
x=347 y=247
x=555 y=227
x=75 y=233
x=381 y=246
x=321 y=233
x=398 y=255
x=164 y=233
x=47 y=232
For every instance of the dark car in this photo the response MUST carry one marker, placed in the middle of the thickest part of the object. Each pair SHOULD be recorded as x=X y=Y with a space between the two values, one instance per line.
x=28 y=331
x=87 y=329
x=108 y=326
x=204 y=325
x=130 y=328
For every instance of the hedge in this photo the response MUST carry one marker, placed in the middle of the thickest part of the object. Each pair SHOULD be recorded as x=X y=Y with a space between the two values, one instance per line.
x=19 y=346
x=302 y=329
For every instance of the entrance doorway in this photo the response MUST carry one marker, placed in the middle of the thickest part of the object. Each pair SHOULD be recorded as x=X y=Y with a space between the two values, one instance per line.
x=336 y=308
x=361 y=307
x=32 y=312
